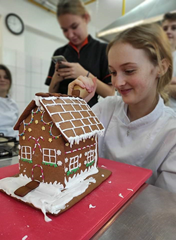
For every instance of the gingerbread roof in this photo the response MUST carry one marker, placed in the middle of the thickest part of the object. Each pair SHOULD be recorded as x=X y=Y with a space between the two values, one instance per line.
x=72 y=116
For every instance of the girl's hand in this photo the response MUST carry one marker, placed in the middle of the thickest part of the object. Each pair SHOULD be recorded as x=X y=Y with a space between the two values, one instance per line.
x=56 y=76
x=90 y=84
x=73 y=70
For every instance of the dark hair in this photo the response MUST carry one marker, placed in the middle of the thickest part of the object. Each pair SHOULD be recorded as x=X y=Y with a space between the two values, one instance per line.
x=75 y=7
x=170 y=17
x=8 y=73
x=153 y=40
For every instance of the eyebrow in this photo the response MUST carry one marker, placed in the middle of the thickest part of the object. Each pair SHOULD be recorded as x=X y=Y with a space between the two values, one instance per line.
x=70 y=25
x=124 y=64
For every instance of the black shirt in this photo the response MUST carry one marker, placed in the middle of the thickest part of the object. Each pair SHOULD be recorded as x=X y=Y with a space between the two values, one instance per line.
x=92 y=57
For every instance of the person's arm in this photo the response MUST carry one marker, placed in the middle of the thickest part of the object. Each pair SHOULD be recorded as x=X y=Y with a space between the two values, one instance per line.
x=167 y=177
x=103 y=89
x=74 y=70
x=55 y=82
x=104 y=85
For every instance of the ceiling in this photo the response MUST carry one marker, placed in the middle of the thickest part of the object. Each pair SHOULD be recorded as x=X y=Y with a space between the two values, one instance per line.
x=103 y=12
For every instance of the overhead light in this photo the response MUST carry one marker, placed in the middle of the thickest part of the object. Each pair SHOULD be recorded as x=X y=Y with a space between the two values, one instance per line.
x=119 y=29
x=146 y=12
x=123 y=27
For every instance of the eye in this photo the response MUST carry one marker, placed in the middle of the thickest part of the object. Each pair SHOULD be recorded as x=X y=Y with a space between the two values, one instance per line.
x=75 y=26
x=165 y=28
x=113 y=73
x=64 y=30
x=129 y=71
x=173 y=27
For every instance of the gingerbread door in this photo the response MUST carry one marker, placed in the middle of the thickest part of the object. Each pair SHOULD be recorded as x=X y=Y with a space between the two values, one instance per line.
x=37 y=173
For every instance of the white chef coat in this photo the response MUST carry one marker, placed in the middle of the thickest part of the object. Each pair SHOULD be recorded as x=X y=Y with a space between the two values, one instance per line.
x=148 y=142
x=8 y=116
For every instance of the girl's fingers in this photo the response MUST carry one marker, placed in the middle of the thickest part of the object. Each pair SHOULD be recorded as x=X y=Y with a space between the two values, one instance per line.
x=66 y=63
x=72 y=84
x=66 y=74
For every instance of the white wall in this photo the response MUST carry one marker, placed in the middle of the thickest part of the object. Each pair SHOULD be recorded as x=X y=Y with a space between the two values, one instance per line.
x=28 y=55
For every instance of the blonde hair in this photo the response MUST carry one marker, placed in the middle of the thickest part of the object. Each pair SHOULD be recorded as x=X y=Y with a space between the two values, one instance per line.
x=75 y=7
x=153 y=40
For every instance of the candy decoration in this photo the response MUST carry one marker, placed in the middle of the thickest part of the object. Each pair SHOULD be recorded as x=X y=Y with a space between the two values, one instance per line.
x=36 y=143
x=50 y=132
x=78 y=149
x=37 y=165
x=29 y=123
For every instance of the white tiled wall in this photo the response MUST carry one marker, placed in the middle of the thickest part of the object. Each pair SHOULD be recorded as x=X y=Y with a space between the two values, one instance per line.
x=28 y=76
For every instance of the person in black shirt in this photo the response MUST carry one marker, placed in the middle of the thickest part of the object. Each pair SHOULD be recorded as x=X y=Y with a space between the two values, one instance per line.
x=85 y=55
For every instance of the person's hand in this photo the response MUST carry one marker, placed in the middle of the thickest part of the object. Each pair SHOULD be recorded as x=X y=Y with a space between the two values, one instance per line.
x=56 y=74
x=73 y=70
x=90 y=84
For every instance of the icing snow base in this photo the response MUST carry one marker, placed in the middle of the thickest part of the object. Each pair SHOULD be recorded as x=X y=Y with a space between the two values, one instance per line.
x=47 y=197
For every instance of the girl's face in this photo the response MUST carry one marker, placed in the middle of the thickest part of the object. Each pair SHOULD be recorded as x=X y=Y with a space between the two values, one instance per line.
x=4 y=82
x=132 y=74
x=170 y=28
x=74 y=27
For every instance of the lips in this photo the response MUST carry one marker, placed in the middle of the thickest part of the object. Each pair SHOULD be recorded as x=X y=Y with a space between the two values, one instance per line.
x=125 y=91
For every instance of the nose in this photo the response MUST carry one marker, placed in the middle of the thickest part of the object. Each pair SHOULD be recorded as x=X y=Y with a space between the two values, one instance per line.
x=70 y=34
x=2 y=78
x=118 y=81
x=169 y=30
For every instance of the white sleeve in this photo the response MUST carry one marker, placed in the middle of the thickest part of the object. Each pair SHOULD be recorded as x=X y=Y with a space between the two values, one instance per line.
x=167 y=176
x=97 y=108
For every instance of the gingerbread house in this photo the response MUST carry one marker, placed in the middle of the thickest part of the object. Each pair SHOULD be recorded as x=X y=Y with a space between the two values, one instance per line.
x=58 y=139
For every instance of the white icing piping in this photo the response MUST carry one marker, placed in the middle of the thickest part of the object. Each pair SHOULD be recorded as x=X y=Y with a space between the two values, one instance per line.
x=81 y=137
x=37 y=100
x=72 y=102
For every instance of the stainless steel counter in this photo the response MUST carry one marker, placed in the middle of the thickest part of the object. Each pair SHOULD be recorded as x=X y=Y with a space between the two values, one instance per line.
x=8 y=161
x=149 y=215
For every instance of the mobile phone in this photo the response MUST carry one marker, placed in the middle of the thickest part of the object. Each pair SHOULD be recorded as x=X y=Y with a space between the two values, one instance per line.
x=59 y=59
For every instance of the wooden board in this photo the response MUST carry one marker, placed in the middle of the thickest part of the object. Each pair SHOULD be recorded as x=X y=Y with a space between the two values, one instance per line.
x=19 y=220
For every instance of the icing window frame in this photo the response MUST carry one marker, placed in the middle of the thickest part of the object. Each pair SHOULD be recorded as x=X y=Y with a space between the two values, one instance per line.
x=25 y=152
x=47 y=153
x=90 y=156
x=74 y=163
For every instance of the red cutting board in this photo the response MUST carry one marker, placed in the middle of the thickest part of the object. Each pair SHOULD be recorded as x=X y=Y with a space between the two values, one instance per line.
x=19 y=221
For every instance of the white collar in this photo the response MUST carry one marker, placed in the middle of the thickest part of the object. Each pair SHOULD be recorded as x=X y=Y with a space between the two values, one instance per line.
x=151 y=117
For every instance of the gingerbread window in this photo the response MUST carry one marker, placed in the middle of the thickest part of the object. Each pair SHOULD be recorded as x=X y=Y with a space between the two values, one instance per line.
x=49 y=156
x=26 y=154
x=74 y=163
x=90 y=156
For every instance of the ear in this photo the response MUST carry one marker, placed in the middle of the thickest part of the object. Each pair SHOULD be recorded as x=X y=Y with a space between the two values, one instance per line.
x=87 y=17
x=164 y=66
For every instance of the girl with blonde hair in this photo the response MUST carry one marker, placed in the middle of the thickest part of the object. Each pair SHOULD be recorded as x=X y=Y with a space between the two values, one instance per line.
x=140 y=128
